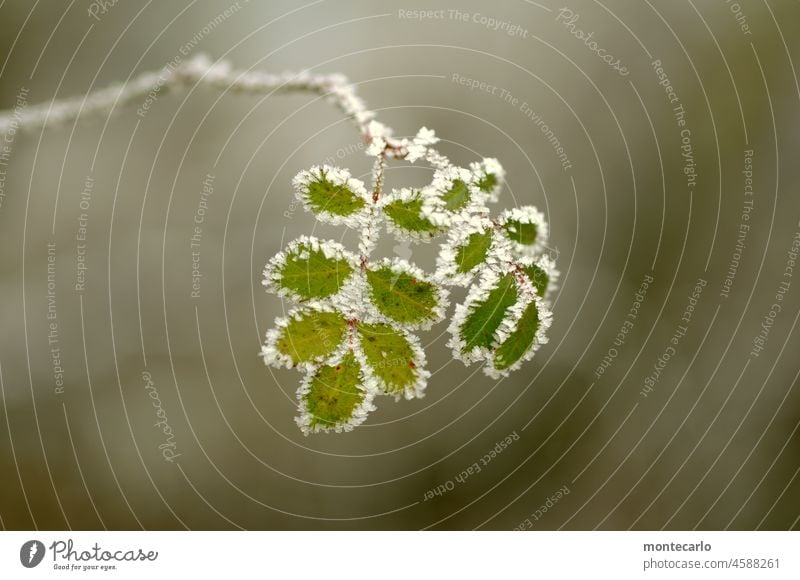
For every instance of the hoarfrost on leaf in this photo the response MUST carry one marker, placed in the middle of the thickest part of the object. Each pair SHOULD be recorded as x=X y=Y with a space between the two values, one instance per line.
x=351 y=335
x=309 y=269
x=333 y=195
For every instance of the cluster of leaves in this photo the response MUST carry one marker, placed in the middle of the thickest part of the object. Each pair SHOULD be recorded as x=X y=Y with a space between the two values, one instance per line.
x=352 y=332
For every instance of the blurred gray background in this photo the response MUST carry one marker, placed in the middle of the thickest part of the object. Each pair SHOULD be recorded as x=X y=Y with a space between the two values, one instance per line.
x=713 y=445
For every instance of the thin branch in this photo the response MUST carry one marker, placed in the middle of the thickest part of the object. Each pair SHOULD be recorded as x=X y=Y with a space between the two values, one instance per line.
x=200 y=70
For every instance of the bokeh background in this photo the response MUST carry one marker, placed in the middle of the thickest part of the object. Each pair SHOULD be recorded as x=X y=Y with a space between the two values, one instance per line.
x=713 y=446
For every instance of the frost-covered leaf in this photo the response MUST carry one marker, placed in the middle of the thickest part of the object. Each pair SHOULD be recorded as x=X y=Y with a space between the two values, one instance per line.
x=524 y=334
x=484 y=315
x=403 y=294
x=488 y=176
x=538 y=277
x=395 y=358
x=403 y=211
x=487 y=183
x=304 y=337
x=526 y=228
x=309 y=268
x=520 y=340
x=502 y=321
x=333 y=195
x=457 y=196
x=474 y=252
x=334 y=397
x=451 y=197
x=521 y=232
x=470 y=244
x=541 y=272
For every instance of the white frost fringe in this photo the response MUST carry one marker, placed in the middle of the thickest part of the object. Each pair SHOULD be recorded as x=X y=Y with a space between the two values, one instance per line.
x=478 y=292
x=269 y=350
x=301 y=248
x=416 y=390
x=549 y=267
x=434 y=207
x=404 y=195
x=488 y=278
x=545 y=320
x=488 y=166
x=457 y=237
x=339 y=177
x=527 y=214
x=353 y=298
x=399 y=266
x=527 y=296
x=304 y=418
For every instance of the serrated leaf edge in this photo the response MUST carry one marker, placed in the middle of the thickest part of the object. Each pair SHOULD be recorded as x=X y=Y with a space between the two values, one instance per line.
x=527 y=214
x=330 y=249
x=480 y=169
x=269 y=350
x=433 y=205
x=549 y=266
x=413 y=391
x=510 y=323
x=488 y=277
x=368 y=385
x=405 y=195
x=400 y=266
x=337 y=176
x=446 y=266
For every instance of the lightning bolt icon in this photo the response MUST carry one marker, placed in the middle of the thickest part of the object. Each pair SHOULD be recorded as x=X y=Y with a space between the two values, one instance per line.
x=34 y=549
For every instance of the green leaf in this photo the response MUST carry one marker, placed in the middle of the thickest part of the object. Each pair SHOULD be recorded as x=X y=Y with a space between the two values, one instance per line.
x=519 y=341
x=481 y=323
x=521 y=233
x=390 y=356
x=407 y=215
x=326 y=196
x=309 y=273
x=457 y=197
x=487 y=183
x=311 y=336
x=473 y=252
x=334 y=394
x=538 y=278
x=401 y=296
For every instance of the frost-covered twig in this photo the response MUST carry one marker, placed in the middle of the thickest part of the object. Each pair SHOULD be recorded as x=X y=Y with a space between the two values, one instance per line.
x=200 y=70
x=352 y=333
